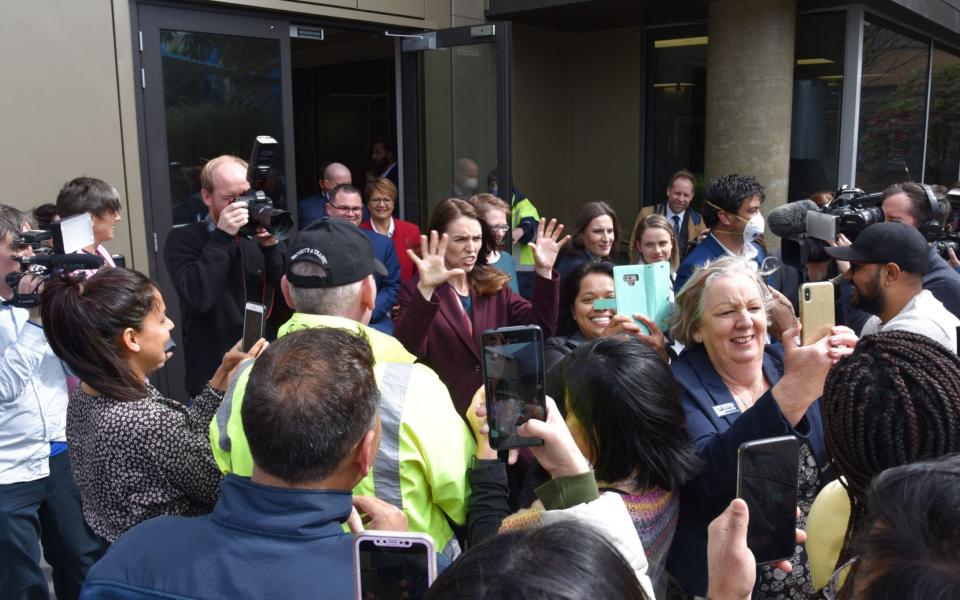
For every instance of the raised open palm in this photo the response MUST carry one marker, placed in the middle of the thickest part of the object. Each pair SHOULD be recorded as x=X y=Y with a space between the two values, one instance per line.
x=431 y=265
x=548 y=245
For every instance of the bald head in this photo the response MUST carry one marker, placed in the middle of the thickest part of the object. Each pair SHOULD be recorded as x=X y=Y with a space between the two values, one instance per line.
x=335 y=174
x=466 y=175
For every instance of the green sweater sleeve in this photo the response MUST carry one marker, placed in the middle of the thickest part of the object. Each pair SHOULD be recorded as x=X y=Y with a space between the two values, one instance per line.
x=564 y=492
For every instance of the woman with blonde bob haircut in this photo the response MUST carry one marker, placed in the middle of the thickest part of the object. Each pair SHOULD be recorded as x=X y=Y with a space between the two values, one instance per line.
x=737 y=387
x=655 y=242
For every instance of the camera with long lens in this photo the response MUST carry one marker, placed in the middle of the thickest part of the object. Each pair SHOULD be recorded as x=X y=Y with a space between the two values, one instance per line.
x=262 y=212
x=851 y=211
x=68 y=237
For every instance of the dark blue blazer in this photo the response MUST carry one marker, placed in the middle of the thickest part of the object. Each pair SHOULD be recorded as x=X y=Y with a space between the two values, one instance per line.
x=707 y=250
x=388 y=286
x=716 y=440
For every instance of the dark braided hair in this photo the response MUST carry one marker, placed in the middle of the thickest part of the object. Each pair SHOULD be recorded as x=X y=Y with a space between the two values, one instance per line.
x=894 y=401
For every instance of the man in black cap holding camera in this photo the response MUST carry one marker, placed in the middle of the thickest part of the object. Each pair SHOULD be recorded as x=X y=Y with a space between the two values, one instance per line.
x=887 y=263
x=216 y=272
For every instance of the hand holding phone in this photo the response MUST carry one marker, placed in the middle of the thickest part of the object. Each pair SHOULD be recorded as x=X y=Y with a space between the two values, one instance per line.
x=767 y=472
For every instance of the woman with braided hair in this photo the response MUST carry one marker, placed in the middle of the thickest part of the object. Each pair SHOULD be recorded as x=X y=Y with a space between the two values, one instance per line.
x=894 y=401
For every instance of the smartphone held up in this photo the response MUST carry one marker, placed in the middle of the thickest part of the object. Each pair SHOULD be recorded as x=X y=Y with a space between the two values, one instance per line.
x=767 y=472
x=513 y=377
x=391 y=565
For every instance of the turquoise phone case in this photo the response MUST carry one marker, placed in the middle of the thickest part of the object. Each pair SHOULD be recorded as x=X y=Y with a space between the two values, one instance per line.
x=644 y=289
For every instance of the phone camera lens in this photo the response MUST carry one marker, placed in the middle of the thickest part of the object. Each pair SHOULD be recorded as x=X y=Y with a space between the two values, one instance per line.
x=806 y=295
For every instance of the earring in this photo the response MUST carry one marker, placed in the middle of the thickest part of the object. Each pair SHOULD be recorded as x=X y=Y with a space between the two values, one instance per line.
x=698 y=338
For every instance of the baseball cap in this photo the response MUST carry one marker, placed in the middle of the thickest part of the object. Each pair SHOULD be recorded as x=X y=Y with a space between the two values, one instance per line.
x=887 y=243
x=340 y=247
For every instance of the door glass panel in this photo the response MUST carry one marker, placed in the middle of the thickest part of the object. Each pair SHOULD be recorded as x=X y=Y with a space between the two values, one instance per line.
x=220 y=92
x=943 y=135
x=459 y=121
x=893 y=96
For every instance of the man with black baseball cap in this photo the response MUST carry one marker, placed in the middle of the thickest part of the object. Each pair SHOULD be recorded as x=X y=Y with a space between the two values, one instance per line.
x=425 y=447
x=887 y=263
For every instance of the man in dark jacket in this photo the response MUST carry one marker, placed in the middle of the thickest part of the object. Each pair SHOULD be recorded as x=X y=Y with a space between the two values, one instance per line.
x=278 y=534
x=216 y=272
x=909 y=203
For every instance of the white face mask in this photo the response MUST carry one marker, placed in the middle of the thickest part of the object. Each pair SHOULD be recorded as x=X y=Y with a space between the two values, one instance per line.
x=754 y=228
x=470 y=185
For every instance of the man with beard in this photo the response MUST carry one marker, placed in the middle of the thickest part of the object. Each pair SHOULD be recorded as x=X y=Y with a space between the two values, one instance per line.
x=887 y=262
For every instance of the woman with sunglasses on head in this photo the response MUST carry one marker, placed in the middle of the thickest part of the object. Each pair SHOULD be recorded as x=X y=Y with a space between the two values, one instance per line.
x=496 y=213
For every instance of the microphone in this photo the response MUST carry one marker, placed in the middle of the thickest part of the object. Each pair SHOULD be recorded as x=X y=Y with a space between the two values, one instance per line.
x=67 y=262
x=790 y=220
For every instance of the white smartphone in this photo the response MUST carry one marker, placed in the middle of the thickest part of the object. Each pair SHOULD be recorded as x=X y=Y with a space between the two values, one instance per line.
x=252 y=325
x=391 y=565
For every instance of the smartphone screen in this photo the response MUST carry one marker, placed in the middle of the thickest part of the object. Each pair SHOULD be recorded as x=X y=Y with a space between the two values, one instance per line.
x=252 y=325
x=767 y=473
x=393 y=568
x=514 y=381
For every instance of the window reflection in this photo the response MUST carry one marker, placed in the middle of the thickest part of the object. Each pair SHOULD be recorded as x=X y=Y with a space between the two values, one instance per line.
x=943 y=133
x=678 y=106
x=817 y=100
x=220 y=92
x=893 y=96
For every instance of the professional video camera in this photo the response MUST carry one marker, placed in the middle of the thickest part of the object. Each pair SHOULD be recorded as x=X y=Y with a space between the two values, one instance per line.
x=69 y=236
x=951 y=237
x=805 y=228
x=261 y=210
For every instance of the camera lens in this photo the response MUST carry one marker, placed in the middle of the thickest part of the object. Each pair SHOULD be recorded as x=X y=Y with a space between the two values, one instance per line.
x=806 y=295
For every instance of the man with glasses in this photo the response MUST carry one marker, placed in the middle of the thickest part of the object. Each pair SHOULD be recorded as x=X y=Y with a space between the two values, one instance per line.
x=345 y=203
x=216 y=272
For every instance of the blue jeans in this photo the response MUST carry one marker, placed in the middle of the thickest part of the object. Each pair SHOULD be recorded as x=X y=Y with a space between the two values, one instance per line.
x=46 y=511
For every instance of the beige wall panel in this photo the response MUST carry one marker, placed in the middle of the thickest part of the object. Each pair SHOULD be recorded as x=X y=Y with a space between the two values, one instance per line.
x=578 y=119
x=406 y=8
x=61 y=117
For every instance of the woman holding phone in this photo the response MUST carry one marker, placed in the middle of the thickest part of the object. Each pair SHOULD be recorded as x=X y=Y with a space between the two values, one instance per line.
x=737 y=388
x=456 y=295
x=135 y=454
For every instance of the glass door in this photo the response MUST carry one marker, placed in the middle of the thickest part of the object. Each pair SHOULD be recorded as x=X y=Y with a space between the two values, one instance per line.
x=456 y=115
x=211 y=83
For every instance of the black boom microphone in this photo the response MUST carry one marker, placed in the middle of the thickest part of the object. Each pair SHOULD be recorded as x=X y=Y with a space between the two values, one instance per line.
x=68 y=262
x=790 y=220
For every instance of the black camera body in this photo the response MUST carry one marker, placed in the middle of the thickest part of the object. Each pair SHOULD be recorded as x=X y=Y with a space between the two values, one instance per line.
x=951 y=238
x=260 y=208
x=851 y=211
x=68 y=237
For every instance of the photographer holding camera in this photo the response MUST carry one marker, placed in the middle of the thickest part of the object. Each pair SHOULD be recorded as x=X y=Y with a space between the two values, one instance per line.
x=217 y=270
x=926 y=209
x=39 y=502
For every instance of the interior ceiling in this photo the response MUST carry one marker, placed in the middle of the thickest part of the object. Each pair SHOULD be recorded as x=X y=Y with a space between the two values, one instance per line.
x=587 y=15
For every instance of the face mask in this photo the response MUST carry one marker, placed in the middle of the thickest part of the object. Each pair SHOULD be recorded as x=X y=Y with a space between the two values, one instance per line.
x=493 y=190
x=471 y=184
x=754 y=228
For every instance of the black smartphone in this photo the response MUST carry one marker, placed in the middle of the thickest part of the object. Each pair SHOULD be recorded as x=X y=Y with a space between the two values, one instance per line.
x=252 y=325
x=767 y=472
x=391 y=565
x=513 y=377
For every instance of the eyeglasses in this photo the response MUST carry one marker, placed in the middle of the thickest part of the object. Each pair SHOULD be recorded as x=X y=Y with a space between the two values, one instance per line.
x=381 y=200
x=500 y=228
x=347 y=209
x=831 y=591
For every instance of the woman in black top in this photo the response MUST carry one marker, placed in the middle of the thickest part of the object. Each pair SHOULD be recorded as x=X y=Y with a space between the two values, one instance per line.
x=135 y=454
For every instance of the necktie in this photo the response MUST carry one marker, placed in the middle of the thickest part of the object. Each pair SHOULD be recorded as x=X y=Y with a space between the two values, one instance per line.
x=676 y=226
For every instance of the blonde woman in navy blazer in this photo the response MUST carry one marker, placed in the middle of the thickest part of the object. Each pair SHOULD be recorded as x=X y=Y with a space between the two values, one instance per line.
x=455 y=296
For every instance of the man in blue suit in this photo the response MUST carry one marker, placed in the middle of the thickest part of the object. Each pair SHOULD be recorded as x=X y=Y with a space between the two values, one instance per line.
x=731 y=209
x=346 y=203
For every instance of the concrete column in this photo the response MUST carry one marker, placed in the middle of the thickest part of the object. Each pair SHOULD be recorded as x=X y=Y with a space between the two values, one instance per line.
x=750 y=92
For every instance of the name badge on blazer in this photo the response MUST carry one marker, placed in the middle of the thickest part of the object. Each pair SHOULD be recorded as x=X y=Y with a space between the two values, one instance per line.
x=723 y=410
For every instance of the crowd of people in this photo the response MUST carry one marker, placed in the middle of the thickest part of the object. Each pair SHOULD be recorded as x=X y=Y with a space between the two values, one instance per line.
x=363 y=405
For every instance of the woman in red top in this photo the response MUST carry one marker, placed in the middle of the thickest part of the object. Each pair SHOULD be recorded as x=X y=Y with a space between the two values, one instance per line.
x=381 y=197
x=456 y=296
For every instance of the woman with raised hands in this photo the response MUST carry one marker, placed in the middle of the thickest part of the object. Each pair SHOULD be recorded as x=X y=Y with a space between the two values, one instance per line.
x=456 y=295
